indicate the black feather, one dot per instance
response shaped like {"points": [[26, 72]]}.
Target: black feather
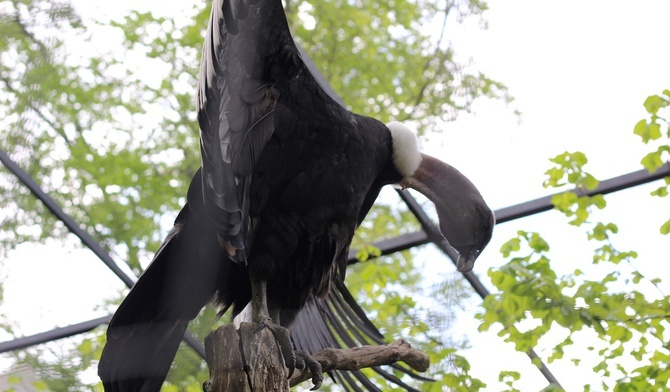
{"points": [[337, 321], [145, 332]]}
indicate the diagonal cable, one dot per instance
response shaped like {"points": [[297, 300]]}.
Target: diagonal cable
{"points": [[85, 238]]}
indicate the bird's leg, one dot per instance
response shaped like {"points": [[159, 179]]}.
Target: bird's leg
{"points": [[268, 317], [261, 315], [259, 300]]}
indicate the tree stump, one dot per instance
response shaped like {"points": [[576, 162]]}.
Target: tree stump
{"points": [[244, 360]]}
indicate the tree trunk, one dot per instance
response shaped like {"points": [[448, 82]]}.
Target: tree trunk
{"points": [[245, 360]]}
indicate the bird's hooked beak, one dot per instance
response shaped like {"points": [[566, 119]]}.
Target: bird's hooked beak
{"points": [[466, 261], [465, 219]]}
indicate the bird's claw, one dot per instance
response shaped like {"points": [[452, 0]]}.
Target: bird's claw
{"points": [[283, 338], [293, 359], [314, 367]]}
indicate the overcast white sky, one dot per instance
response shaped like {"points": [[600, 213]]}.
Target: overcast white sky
{"points": [[579, 70]]}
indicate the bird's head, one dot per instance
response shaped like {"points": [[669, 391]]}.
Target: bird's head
{"points": [[465, 219]]}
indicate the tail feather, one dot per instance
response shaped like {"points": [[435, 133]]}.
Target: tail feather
{"points": [[138, 357], [338, 321], [145, 332]]}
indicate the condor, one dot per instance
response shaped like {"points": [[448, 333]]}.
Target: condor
{"points": [[287, 176]]}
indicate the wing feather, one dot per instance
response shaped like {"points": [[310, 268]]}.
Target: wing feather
{"points": [[235, 112], [338, 321], [253, 85]]}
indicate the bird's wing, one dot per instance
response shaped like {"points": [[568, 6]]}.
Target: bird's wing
{"points": [[251, 74], [338, 321]]}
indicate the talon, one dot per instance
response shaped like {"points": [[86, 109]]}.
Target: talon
{"points": [[260, 327], [314, 367], [317, 379], [317, 385], [283, 339]]}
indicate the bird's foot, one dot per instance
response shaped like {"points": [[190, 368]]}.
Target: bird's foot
{"points": [[293, 359], [283, 338], [305, 361]]}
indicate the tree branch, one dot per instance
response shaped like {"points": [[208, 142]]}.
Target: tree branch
{"points": [[364, 357], [249, 360]]}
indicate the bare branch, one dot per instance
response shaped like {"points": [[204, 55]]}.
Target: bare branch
{"points": [[364, 357]]}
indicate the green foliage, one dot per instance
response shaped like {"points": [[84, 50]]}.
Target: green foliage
{"points": [[82, 135], [379, 56], [458, 381], [656, 129], [532, 301], [508, 378], [616, 307], [569, 169], [650, 129], [59, 365]]}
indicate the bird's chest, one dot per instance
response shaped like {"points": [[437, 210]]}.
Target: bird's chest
{"points": [[330, 185], [310, 187]]}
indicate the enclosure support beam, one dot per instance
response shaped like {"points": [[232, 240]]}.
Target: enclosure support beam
{"points": [[54, 334], [611, 185]]}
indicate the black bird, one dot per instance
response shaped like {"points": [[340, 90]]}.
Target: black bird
{"points": [[287, 176]]}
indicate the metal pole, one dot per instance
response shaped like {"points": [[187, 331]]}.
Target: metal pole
{"points": [[54, 334], [614, 184]]}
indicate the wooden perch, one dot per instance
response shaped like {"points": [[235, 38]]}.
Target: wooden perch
{"points": [[250, 361], [364, 357]]}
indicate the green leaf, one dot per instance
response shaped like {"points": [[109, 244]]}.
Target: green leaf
{"points": [[660, 192], [665, 228], [654, 130], [510, 246], [652, 161], [506, 375], [450, 380], [619, 334], [563, 201], [86, 347], [653, 103], [538, 244], [641, 129], [590, 182]]}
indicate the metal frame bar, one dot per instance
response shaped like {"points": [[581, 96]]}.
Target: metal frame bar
{"points": [[54, 334], [604, 187]]}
